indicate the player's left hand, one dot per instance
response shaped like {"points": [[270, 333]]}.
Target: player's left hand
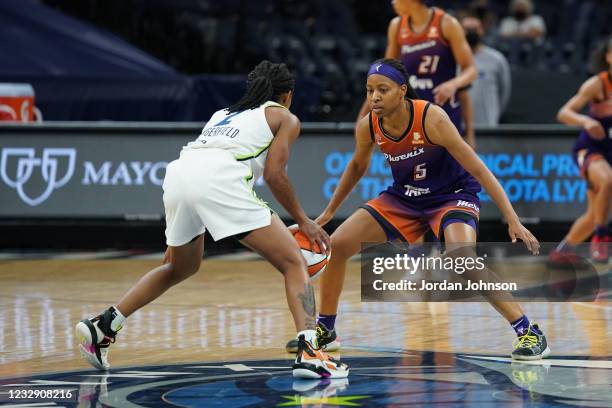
{"points": [[516, 230], [443, 92]]}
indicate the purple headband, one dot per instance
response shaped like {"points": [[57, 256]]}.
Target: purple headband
{"points": [[388, 71]]}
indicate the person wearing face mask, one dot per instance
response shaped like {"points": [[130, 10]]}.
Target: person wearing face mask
{"points": [[491, 90], [522, 23]]}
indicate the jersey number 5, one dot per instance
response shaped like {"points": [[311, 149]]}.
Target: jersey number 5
{"points": [[429, 64], [420, 172]]}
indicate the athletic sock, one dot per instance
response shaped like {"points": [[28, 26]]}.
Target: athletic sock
{"points": [[329, 321], [117, 319], [310, 336], [601, 230], [521, 325]]}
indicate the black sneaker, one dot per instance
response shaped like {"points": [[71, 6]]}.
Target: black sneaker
{"points": [[530, 346], [328, 340], [96, 336]]}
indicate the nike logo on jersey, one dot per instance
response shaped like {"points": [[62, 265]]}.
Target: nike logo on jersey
{"points": [[379, 140], [457, 191]]}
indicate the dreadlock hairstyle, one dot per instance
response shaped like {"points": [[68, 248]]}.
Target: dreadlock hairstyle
{"points": [[410, 93], [267, 81], [599, 62]]}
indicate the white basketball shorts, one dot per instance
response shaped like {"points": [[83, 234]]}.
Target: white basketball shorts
{"points": [[207, 189]]}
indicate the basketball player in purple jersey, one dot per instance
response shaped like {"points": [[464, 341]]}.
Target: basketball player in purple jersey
{"points": [[436, 178], [593, 154], [432, 45]]}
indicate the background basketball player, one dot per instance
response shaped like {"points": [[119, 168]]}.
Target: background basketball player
{"points": [[432, 46], [593, 154], [210, 187]]}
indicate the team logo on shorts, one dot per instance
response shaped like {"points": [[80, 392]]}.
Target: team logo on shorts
{"points": [[467, 204], [22, 161]]}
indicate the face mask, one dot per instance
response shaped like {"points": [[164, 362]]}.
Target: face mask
{"points": [[472, 37], [520, 15]]}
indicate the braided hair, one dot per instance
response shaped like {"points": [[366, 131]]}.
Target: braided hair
{"points": [[410, 93], [267, 81]]}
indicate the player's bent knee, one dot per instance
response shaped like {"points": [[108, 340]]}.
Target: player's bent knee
{"points": [[183, 270], [293, 261], [342, 247]]}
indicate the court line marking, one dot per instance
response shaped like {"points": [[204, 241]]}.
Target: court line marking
{"points": [[576, 363]]}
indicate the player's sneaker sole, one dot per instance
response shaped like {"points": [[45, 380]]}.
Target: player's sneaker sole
{"points": [[540, 356], [88, 338], [305, 370]]}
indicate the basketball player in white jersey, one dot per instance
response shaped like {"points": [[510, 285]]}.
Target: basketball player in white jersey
{"points": [[210, 188]]}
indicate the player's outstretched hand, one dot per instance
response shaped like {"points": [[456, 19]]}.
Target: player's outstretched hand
{"points": [[518, 231], [315, 233]]}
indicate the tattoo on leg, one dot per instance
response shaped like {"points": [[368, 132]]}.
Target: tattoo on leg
{"points": [[309, 305]]}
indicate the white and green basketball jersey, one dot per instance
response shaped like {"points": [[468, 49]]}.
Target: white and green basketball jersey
{"points": [[245, 134]]}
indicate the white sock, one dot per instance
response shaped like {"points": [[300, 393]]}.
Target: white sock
{"points": [[310, 336], [118, 319]]}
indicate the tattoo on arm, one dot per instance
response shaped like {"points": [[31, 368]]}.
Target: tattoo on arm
{"points": [[308, 303]]}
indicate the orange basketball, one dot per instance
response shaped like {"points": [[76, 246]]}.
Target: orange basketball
{"points": [[316, 260]]}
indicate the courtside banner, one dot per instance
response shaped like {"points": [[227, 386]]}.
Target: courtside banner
{"points": [[116, 171]]}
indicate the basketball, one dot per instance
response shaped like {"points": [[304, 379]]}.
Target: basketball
{"points": [[316, 260]]}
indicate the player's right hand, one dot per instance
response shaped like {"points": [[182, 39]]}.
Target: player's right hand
{"points": [[594, 129], [316, 234], [516, 230]]}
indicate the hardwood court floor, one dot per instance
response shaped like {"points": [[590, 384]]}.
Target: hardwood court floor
{"points": [[236, 310]]}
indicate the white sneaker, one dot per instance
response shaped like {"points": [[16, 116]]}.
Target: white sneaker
{"points": [[315, 363], [95, 337]]}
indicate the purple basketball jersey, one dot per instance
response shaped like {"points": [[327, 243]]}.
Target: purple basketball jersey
{"points": [[424, 174], [429, 61]]}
